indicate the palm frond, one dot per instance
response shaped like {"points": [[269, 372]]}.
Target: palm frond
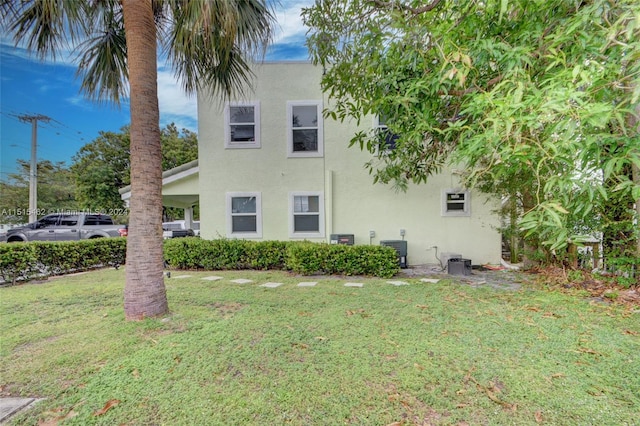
{"points": [[212, 42], [102, 57], [44, 26]]}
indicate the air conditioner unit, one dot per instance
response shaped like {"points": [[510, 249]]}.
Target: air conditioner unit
{"points": [[400, 247], [459, 266], [346, 239]]}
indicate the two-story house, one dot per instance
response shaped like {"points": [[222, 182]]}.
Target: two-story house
{"points": [[272, 168]]}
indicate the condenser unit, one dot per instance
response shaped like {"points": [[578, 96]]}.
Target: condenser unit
{"points": [[346, 239], [459, 266], [400, 247]]}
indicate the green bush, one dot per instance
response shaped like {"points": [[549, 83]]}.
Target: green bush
{"points": [[23, 261], [267, 255], [17, 262], [301, 257], [196, 253], [312, 258]]}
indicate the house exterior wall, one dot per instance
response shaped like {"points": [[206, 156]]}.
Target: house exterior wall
{"points": [[352, 203]]}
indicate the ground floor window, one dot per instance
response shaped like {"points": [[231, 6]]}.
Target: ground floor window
{"points": [[244, 214], [306, 214]]}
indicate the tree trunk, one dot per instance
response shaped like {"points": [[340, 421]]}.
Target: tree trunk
{"points": [[635, 171], [144, 290], [529, 255]]}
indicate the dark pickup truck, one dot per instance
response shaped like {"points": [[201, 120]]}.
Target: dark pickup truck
{"points": [[67, 227]]}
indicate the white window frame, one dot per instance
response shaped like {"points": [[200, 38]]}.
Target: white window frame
{"points": [[378, 128], [465, 212], [320, 213], [320, 127], [228, 144], [258, 214]]}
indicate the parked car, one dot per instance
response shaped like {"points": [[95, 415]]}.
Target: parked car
{"points": [[178, 229], [67, 227]]}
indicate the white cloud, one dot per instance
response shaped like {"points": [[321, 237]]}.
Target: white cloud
{"points": [[175, 105], [290, 27]]}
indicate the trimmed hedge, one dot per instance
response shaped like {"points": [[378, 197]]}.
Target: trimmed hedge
{"points": [[17, 262], [39, 259], [301, 257], [25, 261]]}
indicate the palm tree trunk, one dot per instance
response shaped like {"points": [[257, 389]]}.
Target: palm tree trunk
{"points": [[144, 291]]}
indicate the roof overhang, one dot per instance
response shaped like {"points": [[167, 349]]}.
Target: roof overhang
{"points": [[172, 177]]}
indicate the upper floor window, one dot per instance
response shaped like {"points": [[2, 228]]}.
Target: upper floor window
{"points": [[386, 137], [456, 202], [307, 214], [242, 125], [304, 129], [244, 214]]}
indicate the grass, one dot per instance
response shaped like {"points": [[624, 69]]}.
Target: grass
{"points": [[234, 354]]}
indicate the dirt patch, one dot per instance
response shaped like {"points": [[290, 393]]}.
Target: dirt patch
{"points": [[499, 279], [599, 287], [226, 310]]}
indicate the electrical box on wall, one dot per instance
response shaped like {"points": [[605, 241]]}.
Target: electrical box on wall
{"points": [[346, 239]]}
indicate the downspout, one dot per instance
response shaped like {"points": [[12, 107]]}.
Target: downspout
{"points": [[328, 203], [328, 178]]}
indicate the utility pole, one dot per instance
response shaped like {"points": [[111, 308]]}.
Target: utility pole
{"points": [[33, 172]]}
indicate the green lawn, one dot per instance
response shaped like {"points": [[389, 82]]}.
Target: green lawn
{"points": [[233, 354]]}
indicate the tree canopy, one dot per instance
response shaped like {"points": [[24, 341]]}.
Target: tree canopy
{"points": [[533, 100], [102, 167]]}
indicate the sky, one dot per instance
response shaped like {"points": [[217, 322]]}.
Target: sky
{"points": [[30, 87]]}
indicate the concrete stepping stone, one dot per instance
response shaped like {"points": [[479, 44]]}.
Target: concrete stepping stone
{"points": [[181, 277], [396, 283], [430, 280], [212, 278], [271, 285], [354, 285], [11, 406], [242, 281], [307, 284]]}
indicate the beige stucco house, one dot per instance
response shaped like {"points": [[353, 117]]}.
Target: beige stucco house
{"points": [[272, 168]]}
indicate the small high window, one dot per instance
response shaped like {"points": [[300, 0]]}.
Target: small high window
{"points": [[242, 125], [456, 202]]}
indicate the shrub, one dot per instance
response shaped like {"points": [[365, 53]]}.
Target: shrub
{"points": [[267, 255], [23, 261], [311, 258], [301, 257], [195, 253], [17, 262]]}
